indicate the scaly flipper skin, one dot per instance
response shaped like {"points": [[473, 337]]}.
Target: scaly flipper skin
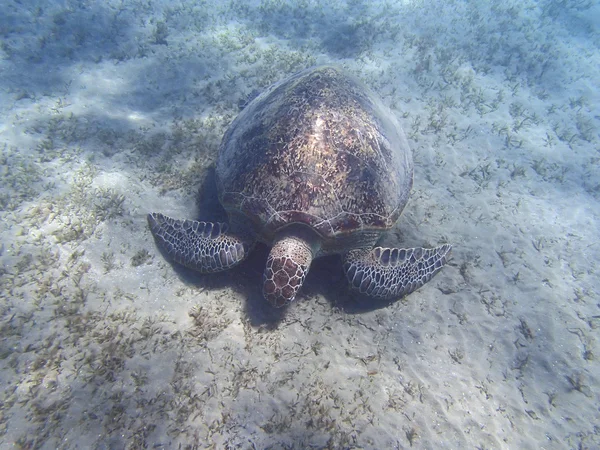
{"points": [[201, 246], [286, 269], [391, 273]]}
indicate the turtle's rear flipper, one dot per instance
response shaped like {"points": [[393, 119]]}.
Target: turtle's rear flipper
{"points": [[391, 273], [202, 246]]}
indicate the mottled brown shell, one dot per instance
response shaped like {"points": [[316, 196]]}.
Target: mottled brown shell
{"points": [[319, 149]]}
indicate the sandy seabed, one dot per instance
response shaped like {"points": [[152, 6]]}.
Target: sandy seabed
{"points": [[110, 110]]}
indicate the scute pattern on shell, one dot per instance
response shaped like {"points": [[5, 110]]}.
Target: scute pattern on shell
{"points": [[318, 149]]}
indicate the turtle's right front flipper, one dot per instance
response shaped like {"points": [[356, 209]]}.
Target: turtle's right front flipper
{"points": [[202, 246]]}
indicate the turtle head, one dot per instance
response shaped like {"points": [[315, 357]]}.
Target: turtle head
{"points": [[287, 266]]}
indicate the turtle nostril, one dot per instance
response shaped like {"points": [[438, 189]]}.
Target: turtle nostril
{"points": [[288, 293]]}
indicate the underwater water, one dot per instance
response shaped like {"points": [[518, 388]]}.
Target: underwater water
{"points": [[111, 110]]}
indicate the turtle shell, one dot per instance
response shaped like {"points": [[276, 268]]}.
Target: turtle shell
{"points": [[318, 149]]}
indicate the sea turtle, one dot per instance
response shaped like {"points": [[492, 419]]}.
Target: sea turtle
{"points": [[315, 165]]}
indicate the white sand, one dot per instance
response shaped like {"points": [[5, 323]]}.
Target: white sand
{"points": [[109, 110]]}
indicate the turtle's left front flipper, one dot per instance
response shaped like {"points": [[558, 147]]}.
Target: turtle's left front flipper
{"points": [[202, 246], [391, 273]]}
